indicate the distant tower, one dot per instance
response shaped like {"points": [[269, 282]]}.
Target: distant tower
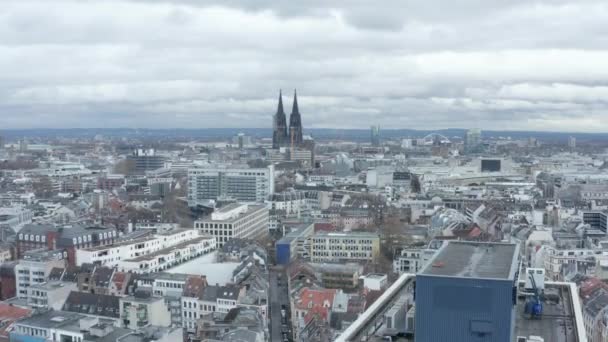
{"points": [[472, 140], [375, 135], [279, 125], [572, 142], [295, 123]]}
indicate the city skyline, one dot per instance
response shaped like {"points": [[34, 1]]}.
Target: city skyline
{"points": [[188, 64]]}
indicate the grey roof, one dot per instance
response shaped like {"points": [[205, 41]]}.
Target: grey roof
{"points": [[474, 260], [230, 292], [93, 304], [210, 293], [240, 335], [50, 319], [102, 276]]}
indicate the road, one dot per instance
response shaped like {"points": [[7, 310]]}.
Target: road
{"points": [[279, 298]]}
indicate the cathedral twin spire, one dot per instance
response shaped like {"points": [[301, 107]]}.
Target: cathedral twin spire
{"points": [[282, 135]]}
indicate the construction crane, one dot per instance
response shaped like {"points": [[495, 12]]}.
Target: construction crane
{"points": [[534, 305]]}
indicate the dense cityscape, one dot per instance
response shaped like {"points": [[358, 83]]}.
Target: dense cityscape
{"points": [[303, 171], [288, 238]]}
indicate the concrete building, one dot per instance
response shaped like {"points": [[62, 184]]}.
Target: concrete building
{"points": [[144, 160], [472, 140], [240, 184], [143, 310], [35, 268], [49, 295], [235, 220], [469, 287], [338, 247], [294, 244]]}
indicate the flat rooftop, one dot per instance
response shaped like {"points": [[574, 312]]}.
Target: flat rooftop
{"points": [[474, 260], [557, 323]]}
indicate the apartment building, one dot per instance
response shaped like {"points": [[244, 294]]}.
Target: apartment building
{"points": [[35, 268], [152, 253], [142, 310], [235, 221]]}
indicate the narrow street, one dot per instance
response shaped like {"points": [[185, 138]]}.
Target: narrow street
{"points": [[280, 324]]}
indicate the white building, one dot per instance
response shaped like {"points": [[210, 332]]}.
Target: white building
{"points": [[140, 311], [351, 246], [236, 221], [150, 254], [241, 184], [34, 269], [49, 295]]}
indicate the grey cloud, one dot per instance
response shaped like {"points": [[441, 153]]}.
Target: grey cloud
{"points": [[418, 64]]}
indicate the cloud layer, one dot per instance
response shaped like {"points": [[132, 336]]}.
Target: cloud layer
{"points": [[500, 64]]}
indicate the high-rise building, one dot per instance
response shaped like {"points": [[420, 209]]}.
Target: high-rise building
{"points": [[572, 142], [470, 287], [375, 135], [472, 140], [295, 123], [241, 184], [144, 160], [279, 124], [242, 140]]}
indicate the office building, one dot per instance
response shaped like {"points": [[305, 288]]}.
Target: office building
{"points": [[572, 142], [375, 135], [241, 140], [469, 287], [235, 220], [472, 140], [339, 247], [144, 160], [596, 219], [240, 184]]}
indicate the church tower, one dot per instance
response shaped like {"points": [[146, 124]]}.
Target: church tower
{"points": [[279, 134], [295, 123]]}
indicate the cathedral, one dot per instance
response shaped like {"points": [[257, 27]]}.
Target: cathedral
{"points": [[283, 136]]}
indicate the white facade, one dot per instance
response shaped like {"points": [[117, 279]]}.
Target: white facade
{"points": [[241, 184], [335, 247], [128, 254], [136, 313], [170, 256], [33, 272], [49, 295], [236, 221]]}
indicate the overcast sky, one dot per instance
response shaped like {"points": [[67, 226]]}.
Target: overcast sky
{"points": [[493, 64]]}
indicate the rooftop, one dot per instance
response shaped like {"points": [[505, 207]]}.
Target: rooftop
{"points": [[474, 260], [167, 250], [348, 235], [557, 323]]}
